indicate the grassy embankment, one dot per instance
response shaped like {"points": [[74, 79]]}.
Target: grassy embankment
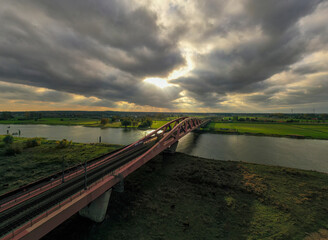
{"points": [[185, 197], [41, 161], [317, 131]]}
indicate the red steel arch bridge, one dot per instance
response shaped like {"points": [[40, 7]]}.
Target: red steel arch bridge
{"points": [[32, 211]]}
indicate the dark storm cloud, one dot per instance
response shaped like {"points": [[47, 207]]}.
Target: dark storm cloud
{"points": [[14, 92], [105, 48], [61, 46], [316, 92], [249, 63], [114, 24], [276, 17]]}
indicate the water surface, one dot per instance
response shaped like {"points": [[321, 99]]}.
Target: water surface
{"points": [[297, 153]]}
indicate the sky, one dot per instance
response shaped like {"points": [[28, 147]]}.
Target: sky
{"points": [[167, 56]]}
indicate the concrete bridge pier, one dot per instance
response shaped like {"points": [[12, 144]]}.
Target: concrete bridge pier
{"points": [[96, 211], [172, 148]]}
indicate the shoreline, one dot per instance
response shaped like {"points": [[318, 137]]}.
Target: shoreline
{"points": [[260, 135], [293, 136]]}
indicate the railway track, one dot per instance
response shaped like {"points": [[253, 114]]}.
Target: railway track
{"points": [[27, 189], [19, 214]]}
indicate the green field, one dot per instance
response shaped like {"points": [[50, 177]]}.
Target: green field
{"points": [[108, 125], [78, 121], [158, 124], [41, 161], [184, 197], [318, 131], [54, 121]]}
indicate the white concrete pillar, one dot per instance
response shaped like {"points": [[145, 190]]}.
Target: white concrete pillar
{"points": [[96, 210]]}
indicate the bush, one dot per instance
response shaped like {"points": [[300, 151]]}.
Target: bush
{"points": [[13, 149], [33, 142], [145, 124], [63, 143], [104, 121], [8, 139]]}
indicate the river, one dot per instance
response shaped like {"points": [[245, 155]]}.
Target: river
{"points": [[306, 154]]}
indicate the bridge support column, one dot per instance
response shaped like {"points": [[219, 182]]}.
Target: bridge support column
{"points": [[96, 211], [172, 148]]}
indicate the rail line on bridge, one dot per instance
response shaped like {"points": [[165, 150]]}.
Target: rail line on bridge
{"points": [[34, 210]]}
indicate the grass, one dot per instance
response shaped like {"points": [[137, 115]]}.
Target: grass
{"points": [[318, 131], [185, 197], [157, 124], [108, 125], [54, 121], [77, 121], [41, 161]]}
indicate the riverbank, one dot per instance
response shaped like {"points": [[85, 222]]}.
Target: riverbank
{"points": [[183, 197], [36, 162], [290, 130], [87, 122]]}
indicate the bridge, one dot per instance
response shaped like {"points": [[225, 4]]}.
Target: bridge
{"points": [[32, 211]]}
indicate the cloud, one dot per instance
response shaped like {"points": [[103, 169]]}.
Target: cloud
{"points": [[268, 40], [235, 52], [105, 54]]}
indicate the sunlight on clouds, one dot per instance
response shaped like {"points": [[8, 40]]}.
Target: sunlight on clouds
{"points": [[175, 74], [39, 90], [78, 97], [185, 69], [159, 82]]}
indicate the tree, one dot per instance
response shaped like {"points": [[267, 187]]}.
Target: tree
{"points": [[104, 121], [126, 122], [27, 115], [6, 115], [146, 123]]}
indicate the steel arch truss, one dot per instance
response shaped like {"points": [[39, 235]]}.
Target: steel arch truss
{"points": [[166, 136]]}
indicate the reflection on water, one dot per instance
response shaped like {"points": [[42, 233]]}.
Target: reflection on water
{"points": [[78, 133], [189, 142], [297, 153]]}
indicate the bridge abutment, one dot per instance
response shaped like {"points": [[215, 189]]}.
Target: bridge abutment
{"points": [[96, 211], [172, 148]]}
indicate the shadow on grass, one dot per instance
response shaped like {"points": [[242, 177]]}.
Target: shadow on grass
{"points": [[184, 197], [172, 197]]}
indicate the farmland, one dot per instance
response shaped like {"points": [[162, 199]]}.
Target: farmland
{"points": [[317, 131]]}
